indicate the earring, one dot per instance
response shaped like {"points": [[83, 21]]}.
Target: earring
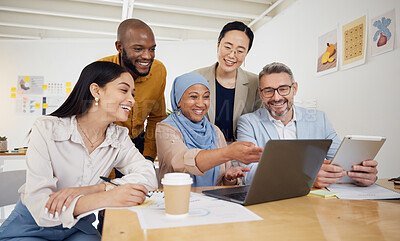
{"points": [[96, 99], [179, 111]]}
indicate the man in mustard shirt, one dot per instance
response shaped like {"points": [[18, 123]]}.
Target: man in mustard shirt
{"points": [[136, 51]]}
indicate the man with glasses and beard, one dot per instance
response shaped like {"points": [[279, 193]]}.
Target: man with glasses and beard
{"points": [[280, 119], [136, 51]]}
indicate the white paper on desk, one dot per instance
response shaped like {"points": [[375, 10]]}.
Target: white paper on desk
{"points": [[202, 210], [353, 192]]}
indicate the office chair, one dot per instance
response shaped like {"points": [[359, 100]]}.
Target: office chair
{"points": [[10, 182]]}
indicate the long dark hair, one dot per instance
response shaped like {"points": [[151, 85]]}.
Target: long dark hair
{"points": [[80, 99], [236, 25]]}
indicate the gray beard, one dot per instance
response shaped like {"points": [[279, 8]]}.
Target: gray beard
{"points": [[278, 115]]}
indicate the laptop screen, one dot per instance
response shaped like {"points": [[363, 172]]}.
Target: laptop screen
{"points": [[287, 168]]}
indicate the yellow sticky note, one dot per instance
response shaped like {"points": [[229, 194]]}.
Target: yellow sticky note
{"points": [[68, 84], [68, 90], [37, 105], [323, 193], [146, 203], [13, 95], [45, 105], [44, 87], [13, 89], [26, 78]]}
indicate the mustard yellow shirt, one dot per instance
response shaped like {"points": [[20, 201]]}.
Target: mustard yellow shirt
{"points": [[149, 104]]}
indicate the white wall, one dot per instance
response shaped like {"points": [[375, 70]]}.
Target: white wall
{"points": [[363, 100], [63, 60]]}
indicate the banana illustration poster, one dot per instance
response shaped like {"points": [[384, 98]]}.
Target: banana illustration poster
{"points": [[382, 32], [327, 61]]}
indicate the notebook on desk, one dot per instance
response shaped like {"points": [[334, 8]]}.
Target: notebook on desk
{"points": [[287, 168]]}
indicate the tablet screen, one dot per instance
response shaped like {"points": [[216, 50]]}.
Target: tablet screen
{"points": [[355, 149]]}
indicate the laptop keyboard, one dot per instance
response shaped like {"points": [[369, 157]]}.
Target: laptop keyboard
{"points": [[241, 196]]}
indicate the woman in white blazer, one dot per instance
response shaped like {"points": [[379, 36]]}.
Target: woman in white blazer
{"points": [[233, 90]]}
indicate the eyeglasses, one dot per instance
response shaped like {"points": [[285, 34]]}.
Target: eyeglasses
{"points": [[238, 52], [283, 90]]}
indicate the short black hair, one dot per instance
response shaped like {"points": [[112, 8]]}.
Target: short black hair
{"points": [[236, 25], [80, 99]]}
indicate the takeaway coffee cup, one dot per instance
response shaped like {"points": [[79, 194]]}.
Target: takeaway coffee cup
{"points": [[177, 193]]}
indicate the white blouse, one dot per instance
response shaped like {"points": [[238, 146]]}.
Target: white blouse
{"points": [[57, 158]]}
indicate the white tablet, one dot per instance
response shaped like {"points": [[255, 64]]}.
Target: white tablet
{"points": [[354, 150]]}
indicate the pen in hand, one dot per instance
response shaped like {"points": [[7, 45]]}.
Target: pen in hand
{"points": [[116, 184], [109, 180]]}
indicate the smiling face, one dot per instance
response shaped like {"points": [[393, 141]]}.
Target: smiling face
{"points": [[232, 50], [280, 107], [137, 49], [195, 102], [116, 98]]}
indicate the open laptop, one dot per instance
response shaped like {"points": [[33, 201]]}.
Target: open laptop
{"points": [[287, 168]]}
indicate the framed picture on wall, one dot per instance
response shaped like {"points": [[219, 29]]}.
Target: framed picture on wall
{"points": [[382, 32], [327, 54], [354, 42]]}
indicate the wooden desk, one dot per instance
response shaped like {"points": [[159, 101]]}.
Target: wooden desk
{"points": [[12, 153], [303, 218]]}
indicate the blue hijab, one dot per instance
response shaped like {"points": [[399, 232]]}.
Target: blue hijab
{"points": [[199, 135]]}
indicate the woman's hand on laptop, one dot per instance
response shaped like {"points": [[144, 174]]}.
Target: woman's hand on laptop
{"points": [[233, 173], [364, 174], [328, 174], [244, 152]]}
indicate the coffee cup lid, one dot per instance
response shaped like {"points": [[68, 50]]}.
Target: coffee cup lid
{"points": [[177, 179]]}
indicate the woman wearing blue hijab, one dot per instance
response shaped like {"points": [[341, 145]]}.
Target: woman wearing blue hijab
{"points": [[188, 142]]}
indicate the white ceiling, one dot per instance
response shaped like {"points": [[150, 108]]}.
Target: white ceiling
{"points": [[169, 19]]}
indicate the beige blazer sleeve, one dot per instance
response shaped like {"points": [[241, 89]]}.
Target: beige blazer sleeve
{"points": [[174, 156]]}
